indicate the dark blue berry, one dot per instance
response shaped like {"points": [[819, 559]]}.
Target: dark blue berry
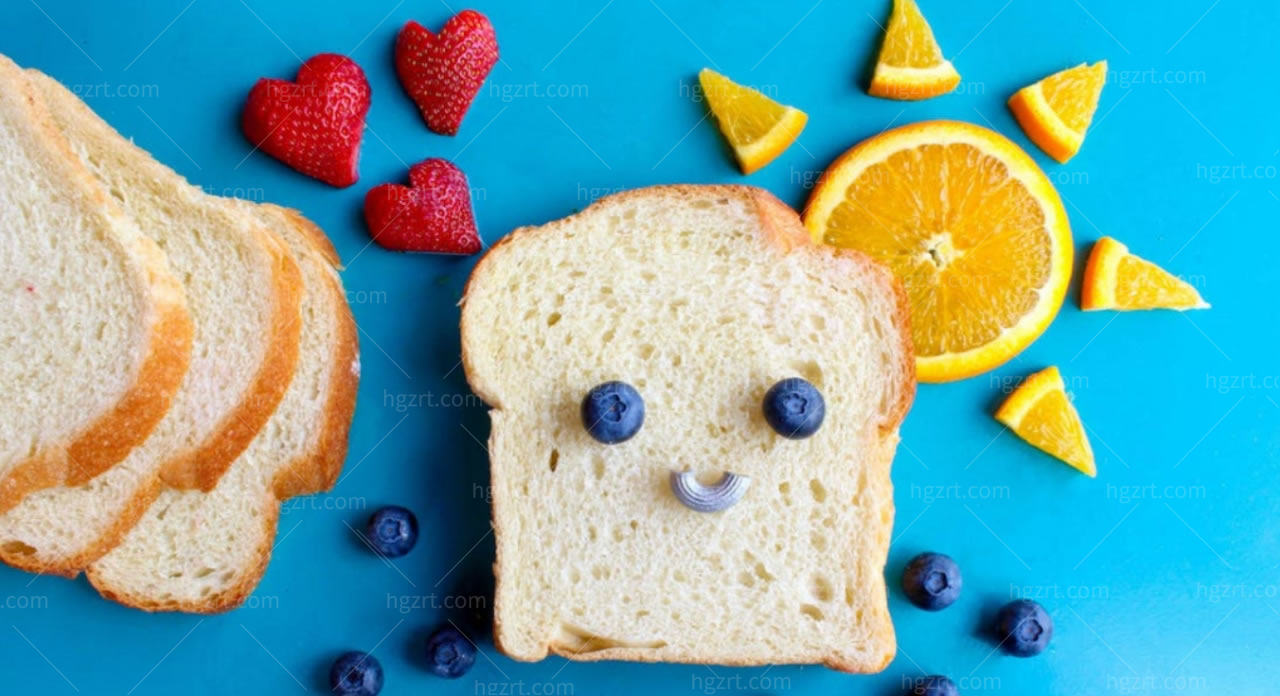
{"points": [[1023, 628], [449, 653], [355, 674], [936, 685], [612, 412], [932, 581], [392, 531], [794, 408]]}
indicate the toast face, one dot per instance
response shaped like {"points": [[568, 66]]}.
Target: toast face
{"points": [[702, 298], [243, 290], [95, 328]]}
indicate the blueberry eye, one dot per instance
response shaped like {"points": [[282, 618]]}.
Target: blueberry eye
{"points": [[612, 412], [794, 408]]}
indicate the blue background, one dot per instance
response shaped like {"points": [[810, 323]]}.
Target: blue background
{"points": [[1160, 574]]}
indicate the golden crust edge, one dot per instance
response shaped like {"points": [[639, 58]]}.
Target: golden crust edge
{"points": [[313, 472], [109, 439], [777, 217]]}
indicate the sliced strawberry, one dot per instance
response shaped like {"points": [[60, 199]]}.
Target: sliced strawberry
{"points": [[315, 123], [432, 214], [443, 72]]}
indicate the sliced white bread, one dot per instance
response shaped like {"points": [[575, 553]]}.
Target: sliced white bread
{"points": [[243, 291], [702, 298], [94, 332], [205, 552]]}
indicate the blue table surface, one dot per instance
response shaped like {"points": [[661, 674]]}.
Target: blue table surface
{"points": [[1160, 574]]}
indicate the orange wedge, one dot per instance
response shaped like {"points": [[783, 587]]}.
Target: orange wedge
{"points": [[1040, 413], [968, 223], [1116, 279], [757, 127], [911, 65], [1056, 111]]}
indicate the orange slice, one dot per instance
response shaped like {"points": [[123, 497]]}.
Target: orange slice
{"points": [[911, 65], [1040, 413], [968, 223], [757, 127], [1056, 111], [1116, 279]]}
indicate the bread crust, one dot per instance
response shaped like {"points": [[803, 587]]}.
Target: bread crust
{"points": [[319, 241], [318, 470], [202, 467], [217, 602], [70, 566], [784, 229], [163, 364], [312, 472]]}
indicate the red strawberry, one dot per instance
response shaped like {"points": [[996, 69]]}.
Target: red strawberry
{"points": [[315, 123], [432, 214], [442, 72]]}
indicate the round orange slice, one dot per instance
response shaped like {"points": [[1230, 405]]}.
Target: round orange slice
{"points": [[911, 65], [968, 223]]}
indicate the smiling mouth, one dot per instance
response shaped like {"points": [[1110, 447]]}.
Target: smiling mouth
{"points": [[716, 497]]}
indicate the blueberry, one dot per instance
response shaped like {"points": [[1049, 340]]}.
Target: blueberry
{"points": [[612, 412], [1024, 628], [355, 674], [449, 653], [391, 531], [932, 581], [936, 685], [794, 408]]}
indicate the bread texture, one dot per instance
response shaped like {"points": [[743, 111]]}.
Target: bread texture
{"points": [[701, 297], [95, 336], [205, 552], [243, 290]]}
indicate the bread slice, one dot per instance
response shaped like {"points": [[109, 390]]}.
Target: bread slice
{"points": [[205, 552], [701, 297], [243, 290], [94, 332]]}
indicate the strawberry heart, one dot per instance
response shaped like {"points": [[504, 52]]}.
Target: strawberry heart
{"points": [[432, 214], [315, 123], [443, 72]]}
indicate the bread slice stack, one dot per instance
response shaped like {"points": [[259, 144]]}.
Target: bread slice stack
{"points": [[261, 411], [701, 298]]}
